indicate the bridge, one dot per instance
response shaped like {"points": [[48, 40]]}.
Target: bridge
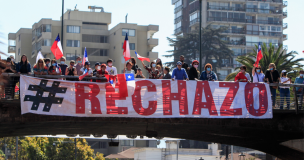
{"points": [[275, 136]]}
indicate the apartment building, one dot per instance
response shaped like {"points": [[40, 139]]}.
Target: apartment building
{"points": [[249, 22], [84, 29]]}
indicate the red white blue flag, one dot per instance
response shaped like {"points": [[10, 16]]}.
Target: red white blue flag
{"points": [[126, 47], [259, 56], [142, 58], [57, 48], [85, 56], [85, 73]]}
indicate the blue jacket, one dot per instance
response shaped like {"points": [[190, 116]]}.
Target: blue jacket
{"points": [[204, 76], [179, 74], [299, 80], [18, 67]]}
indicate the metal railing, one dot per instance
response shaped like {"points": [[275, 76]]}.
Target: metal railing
{"points": [[275, 1], [194, 21], [235, 31], [178, 8], [176, 20], [178, 30], [276, 45], [262, 10], [265, 33], [236, 43], [285, 14], [212, 7], [285, 25], [8, 89], [285, 36], [225, 19]]}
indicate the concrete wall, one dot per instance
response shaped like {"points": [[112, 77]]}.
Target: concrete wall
{"points": [[147, 154]]}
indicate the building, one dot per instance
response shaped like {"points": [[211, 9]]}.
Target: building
{"points": [[170, 153], [84, 29], [248, 21]]}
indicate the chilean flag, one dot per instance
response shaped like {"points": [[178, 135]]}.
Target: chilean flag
{"points": [[126, 84], [85, 56], [85, 73], [111, 79], [259, 56], [57, 48], [126, 47], [142, 58]]}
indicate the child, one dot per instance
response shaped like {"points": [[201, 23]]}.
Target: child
{"points": [[139, 74], [110, 68], [102, 72], [129, 68]]}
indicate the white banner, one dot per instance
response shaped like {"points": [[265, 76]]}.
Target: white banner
{"points": [[147, 98]]}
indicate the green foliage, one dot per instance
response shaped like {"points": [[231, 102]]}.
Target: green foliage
{"points": [[99, 156], [214, 49], [2, 155], [282, 60]]}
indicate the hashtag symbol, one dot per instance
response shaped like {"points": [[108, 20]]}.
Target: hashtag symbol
{"points": [[48, 101]]}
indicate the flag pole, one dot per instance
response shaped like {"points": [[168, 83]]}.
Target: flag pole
{"points": [[62, 24]]}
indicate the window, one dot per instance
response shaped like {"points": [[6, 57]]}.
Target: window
{"points": [[126, 143], [252, 40], [94, 38], [38, 45], [97, 144], [33, 48], [252, 29], [11, 42], [38, 32], [73, 29], [71, 56], [96, 52], [131, 45], [178, 3], [193, 16], [264, 8], [45, 28], [178, 14], [33, 35], [131, 32], [46, 42], [73, 43], [178, 25]]}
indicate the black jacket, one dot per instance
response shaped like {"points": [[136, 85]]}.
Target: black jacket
{"points": [[192, 73]]}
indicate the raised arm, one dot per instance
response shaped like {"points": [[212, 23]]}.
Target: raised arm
{"points": [[253, 71]]}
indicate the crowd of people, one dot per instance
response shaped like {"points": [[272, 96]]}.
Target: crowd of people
{"points": [[156, 70]]}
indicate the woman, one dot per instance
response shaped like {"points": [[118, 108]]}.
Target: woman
{"points": [[134, 67], [10, 86], [208, 74], [167, 75], [159, 68], [241, 76], [24, 66], [272, 76], [86, 67], [71, 71], [54, 70], [193, 72], [129, 68], [257, 74], [284, 90], [40, 68], [153, 72], [139, 74]]}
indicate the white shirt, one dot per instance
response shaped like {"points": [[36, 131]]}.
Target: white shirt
{"points": [[258, 77], [112, 70], [89, 72], [248, 76], [283, 79], [132, 71]]}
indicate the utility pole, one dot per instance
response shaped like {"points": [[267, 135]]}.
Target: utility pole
{"points": [[200, 35], [177, 149], [62, 24]]}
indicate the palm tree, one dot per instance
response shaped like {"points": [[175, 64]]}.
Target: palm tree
{"points": [[282, 60]]}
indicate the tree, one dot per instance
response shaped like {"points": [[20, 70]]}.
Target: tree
{"points": [[214, 48], [99, 156], [2, 155], [282, 60]]}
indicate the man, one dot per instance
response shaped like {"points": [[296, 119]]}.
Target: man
{"points": [[47, 62], [110, 68], [272, 76], [62, 65], [78, 65], [184, 64], [179, 73], [299, 90], [97, 68]]}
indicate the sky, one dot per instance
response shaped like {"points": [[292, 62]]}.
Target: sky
{"points": [[23, 14]]}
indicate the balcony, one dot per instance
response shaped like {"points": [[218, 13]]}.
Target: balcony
{"points": [[236, 43], [265, 33], [269, 22], [210, 7], [285, 37], [285, 3], [285, 14], [178, 19], [193, 22], [177, 9], [274, 1], [224, 19], [253, 44], [33, 38], [236, 31], [265, 11], [178, 30], [11, 49], [285, 25], [152, 42]]}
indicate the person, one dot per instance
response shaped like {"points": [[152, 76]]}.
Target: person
{"points": [[185, 65], [47, 62], [10, 86], [134, 67], [62, 65], [24, 66], [208, 74], [179, 73], [167, 75], [129, 68], [241, 76], [40, 68], [299, 90], [54, 69], [272, 76], [139, 73], [159, 68], [86, 67], [110, 68], [159, 62], [79, 65], [257, 74], [193, 72], [153, 72], [248, 76], [13, 61], [97, 68], [71, 71], [102, 72], [284, 90]]}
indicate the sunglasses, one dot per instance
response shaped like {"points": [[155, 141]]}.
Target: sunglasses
{"points": [[40, 62]]}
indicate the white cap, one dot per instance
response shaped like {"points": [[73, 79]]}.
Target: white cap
{"points": [[284, 71]]}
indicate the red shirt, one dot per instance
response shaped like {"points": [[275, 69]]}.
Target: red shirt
{"points": [[102, 73], [240, 75]]}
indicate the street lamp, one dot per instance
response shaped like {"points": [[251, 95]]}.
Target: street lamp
{"points": [[242, 156]]}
